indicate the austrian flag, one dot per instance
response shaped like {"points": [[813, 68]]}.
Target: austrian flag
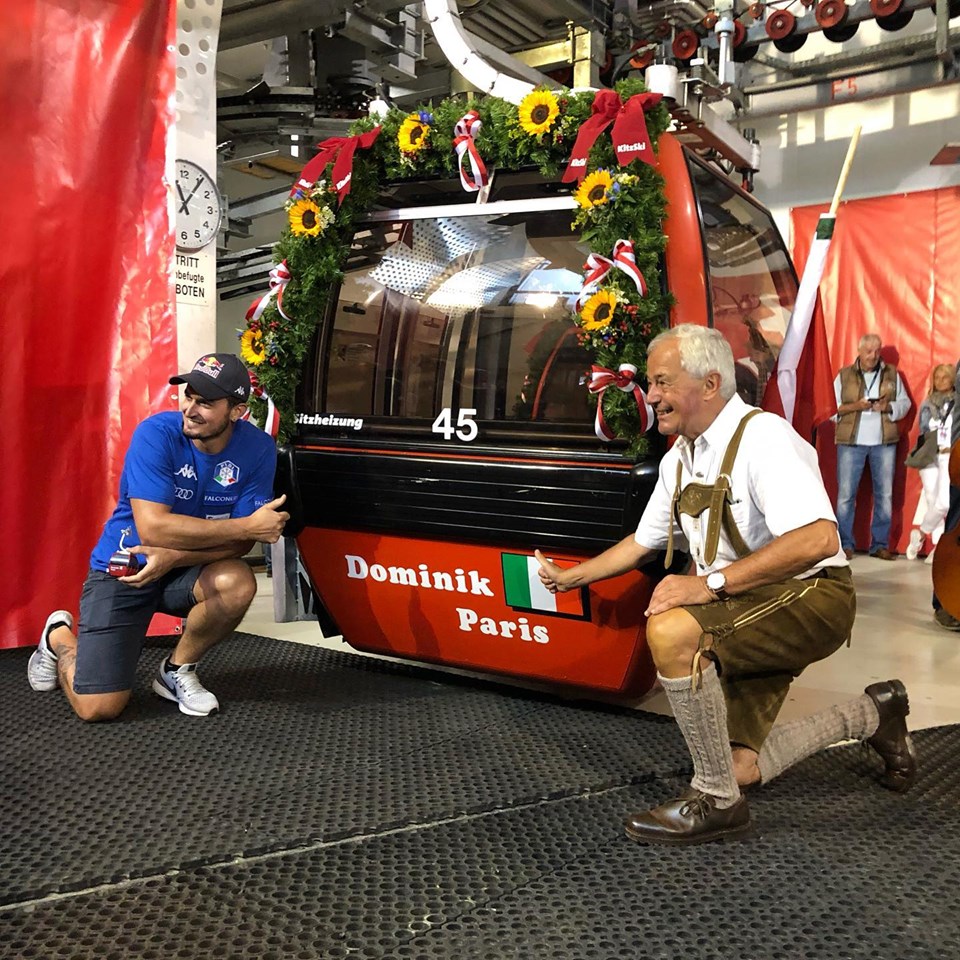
{"points": [[524, 591]]}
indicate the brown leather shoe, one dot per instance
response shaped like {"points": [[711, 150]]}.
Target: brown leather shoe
{"points": [[692, 818], [884, 554], [892, 739], [848, 554]]}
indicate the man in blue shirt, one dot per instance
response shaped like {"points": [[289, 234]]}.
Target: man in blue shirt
{"points": [[196, 492]]}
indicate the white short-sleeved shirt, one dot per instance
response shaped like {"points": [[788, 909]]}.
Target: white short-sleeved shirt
{"points": [[776, 487]]}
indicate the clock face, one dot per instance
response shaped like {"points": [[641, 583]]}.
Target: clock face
{"points": [[198, 206]]}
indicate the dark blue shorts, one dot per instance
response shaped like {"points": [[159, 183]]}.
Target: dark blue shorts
{"points": [[113, 623]]}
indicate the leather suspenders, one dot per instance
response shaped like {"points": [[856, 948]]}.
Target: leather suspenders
{"points": [[695, 498]]}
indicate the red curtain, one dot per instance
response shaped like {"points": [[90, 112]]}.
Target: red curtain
{"points": [[892, 270], [86, 252]]}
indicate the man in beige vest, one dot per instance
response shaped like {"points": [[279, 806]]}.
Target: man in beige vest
{"points": [[768, 591], [870, 401]]}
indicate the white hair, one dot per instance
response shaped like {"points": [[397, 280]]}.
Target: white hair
{"points": [[869, 338], [703, 350]]}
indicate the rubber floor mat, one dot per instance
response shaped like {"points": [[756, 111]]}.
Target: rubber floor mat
{"points": [[343, 807]]}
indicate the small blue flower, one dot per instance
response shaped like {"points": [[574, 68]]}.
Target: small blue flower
{"points": [[426, 117]]}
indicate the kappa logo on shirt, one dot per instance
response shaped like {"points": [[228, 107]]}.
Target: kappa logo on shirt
{"points": [[187, 472], [227, 473]]}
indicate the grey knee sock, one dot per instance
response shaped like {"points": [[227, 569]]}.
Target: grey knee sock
{"points": [[702, 717], [855, 720]]}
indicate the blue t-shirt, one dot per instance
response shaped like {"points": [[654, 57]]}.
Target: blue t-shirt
{"points": [[163, 466]]}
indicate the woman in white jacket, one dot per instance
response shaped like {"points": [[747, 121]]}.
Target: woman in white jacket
{"points": [[936, 413]]}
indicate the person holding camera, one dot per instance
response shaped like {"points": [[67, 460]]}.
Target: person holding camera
{"points": [[196, 492], [870, 401]]}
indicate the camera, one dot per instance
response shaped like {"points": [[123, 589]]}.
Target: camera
{"points": [[123, 564]]}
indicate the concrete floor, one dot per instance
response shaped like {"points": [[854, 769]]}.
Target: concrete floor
{"points": [[894, 636]]}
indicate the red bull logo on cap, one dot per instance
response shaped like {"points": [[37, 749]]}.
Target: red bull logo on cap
{"points": [[211, 366]]}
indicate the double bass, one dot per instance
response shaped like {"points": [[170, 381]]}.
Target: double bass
{"points": [[946, 558]]}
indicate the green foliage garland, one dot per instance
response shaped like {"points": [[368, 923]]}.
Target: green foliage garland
{"points": [[616, 202]]}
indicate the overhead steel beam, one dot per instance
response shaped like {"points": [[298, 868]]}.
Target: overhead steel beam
{"points": [[259, 205], [858, 12], [878, 57], [280, 17], [812, 95]]}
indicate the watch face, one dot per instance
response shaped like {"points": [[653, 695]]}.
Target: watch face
{"points": [[716, 581], [198, 206]]}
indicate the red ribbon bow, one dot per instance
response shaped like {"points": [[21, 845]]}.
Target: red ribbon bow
{"points": [[601, 378], [629, 133], [340, 150]]}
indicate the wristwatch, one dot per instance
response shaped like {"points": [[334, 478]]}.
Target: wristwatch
{"points": [[717, 585]]}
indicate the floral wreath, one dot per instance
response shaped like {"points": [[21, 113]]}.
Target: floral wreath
{"points": [[620, 209]]}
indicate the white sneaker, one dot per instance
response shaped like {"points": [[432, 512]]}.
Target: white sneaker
{"points": [[42, 666], [929, 558], [916, 542], [183, 686]]}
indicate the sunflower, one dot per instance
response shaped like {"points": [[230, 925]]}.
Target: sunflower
{"points": [[413, 133], [537, 111], [251, 347], [597, 312], [305, 219], [593, 191]]}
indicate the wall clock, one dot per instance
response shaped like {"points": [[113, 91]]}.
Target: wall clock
{"points": [[199, 209]]}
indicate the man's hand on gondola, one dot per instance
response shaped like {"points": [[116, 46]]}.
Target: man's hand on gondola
{"points": [[551, 576]]}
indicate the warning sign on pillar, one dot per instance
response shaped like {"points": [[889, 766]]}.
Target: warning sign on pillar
{"points": [[195, 278]]}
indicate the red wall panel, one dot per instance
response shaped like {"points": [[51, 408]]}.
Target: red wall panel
{"points": [[86, 312], [891, 270]]}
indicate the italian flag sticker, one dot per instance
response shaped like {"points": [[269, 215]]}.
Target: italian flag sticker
{"points": [[524, 591]]}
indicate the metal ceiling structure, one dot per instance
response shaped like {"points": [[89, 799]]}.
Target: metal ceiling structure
{"points": [[293, 72]]}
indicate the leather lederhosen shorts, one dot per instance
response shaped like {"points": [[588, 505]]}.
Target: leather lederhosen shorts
{"points": [[762, 639]]}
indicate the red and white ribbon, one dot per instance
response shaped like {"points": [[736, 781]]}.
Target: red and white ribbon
{"points": [[623, 379], [271, 422], [597, 267], [467, 128], [279, 278]]}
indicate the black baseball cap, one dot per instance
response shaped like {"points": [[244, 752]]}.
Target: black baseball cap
{"points": [[218, 375]]}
